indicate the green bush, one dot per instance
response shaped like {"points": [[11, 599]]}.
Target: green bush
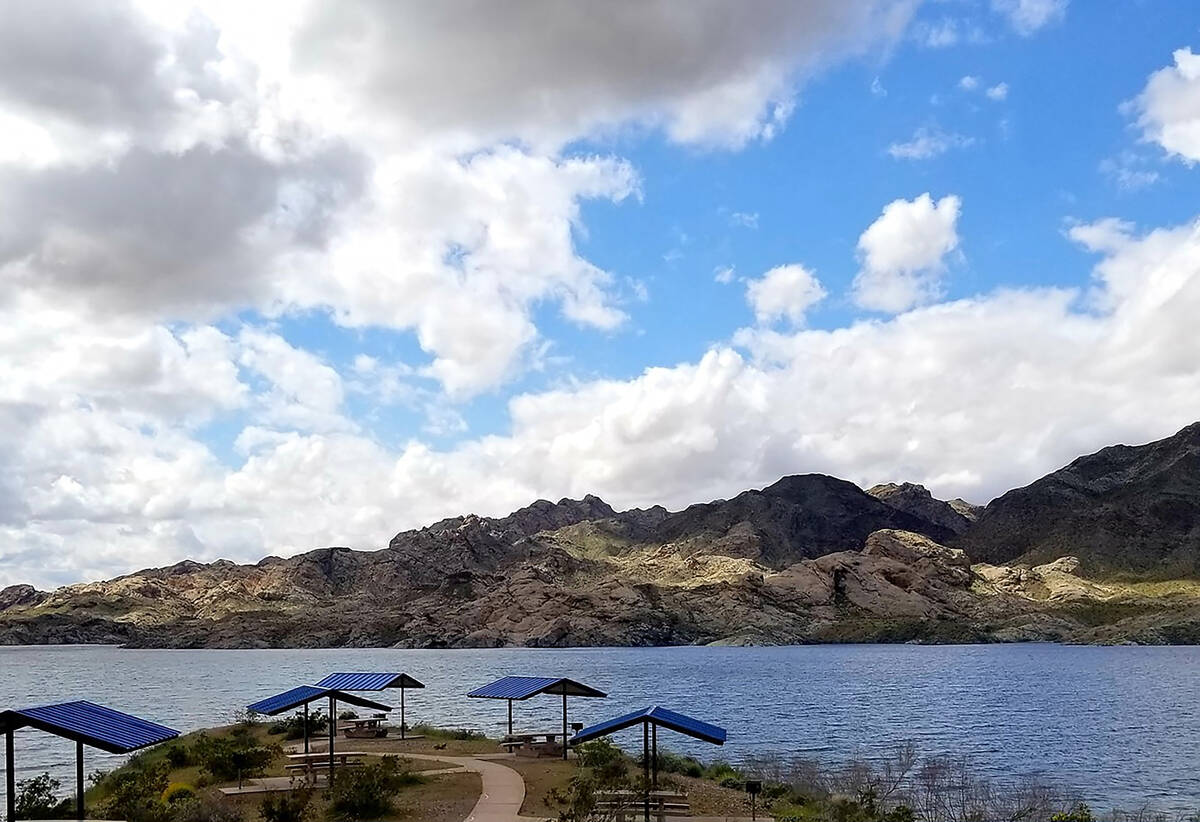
{"points": [[669, 762], [236, 756], [134, 792], [459, 734], [720, 770], [367, 792], [1078, 813], [347, 715], [178, 755], [37, 798], [292, 727], [286, 807], [598, 753]]}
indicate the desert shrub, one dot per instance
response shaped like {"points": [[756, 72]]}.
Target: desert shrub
{"points": [[206, 809], [178, 755], [134, 792], [292, 727], [347, 715], [286, 807], [178, 792], [459, 734], [367, 792], [577, 801], [236, 756], [598, 753], [37, 798], [669, 762], [902, 787], [1077, 813], [721, 771]]}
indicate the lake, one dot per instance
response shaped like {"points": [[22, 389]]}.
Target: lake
{"points": [[1119, 724]]}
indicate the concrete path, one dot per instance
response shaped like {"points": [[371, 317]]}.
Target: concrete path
{"points": [[503, 789]]}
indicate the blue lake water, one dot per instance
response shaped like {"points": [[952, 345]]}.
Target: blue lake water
{"points": [[1120, 725]]}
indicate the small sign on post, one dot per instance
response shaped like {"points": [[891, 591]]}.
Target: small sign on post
{"points": [[754, 788]]}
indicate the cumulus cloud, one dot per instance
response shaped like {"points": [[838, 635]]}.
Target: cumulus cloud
{"points": [[903, 253], [1027, 16], [784, 292], [541, 71], [1168, 109], [970, 397], [997, 92]]}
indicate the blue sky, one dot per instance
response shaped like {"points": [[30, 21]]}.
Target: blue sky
{"points": [[292, 275]]}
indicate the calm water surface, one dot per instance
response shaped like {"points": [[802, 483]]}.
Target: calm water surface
{"points": [[1119, 724]]}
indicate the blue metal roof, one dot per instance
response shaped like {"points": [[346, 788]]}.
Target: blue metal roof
{"points": [[664, 718], [523, 687], [368, 682], [90, 724], [296, 697]]}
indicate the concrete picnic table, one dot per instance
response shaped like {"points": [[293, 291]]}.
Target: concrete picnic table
{"points": [[310, 762], [532, 743]]}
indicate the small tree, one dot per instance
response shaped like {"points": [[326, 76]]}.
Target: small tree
{"points": [[37, 798], [367, 792], [236, 756]]}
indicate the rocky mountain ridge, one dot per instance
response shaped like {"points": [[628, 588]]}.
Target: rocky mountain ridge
{"points": [[809, 558]]}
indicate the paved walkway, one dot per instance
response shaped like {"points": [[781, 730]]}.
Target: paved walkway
{"points": [[503, 789]]}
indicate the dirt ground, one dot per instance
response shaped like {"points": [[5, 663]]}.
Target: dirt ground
{"points": [[541, 776]]}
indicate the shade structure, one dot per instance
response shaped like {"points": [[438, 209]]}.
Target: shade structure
{"points": [[524, 687], [301, 696], [304, 694], [651, 719], [373, 682], [661, 717], [86, 723], [368, 681]]}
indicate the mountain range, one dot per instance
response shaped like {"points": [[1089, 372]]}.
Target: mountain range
{"points": [[1103, 550]]}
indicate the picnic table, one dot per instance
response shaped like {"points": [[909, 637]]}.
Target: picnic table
{"points": [[626, 805], [539, 744], [310, 763]]}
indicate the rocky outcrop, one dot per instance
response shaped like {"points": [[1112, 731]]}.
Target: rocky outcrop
{"points": [[917, 500], [1130, 510], [799, 517], [17, 595]]}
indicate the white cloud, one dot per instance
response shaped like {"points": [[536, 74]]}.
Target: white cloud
{"points": [[928, 142], [903, 253], [784, 292], [970, 397], [1129, 171], [1027, 16], [1168, 109], [724, 274], [969, 82], [998, 92], [744, 219], [937, 35]]}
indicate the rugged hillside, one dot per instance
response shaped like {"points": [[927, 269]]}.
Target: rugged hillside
{"points": [[954, 516], [1125, 509], [808, 559]]}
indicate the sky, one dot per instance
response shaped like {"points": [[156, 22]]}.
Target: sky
{"points": [[278, 276]]}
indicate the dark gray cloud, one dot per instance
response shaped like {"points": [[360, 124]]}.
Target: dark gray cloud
{"points": [[173, 234], [546, 68]]}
